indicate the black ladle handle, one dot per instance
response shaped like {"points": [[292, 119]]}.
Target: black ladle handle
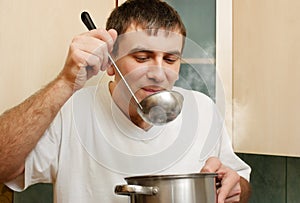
{"points": [[87, 20]]}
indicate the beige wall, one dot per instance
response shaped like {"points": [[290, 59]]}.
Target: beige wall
{"points": [[34, 39], [266, 76]]}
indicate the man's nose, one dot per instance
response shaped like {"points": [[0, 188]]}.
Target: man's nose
{"points": [[156, 71]]}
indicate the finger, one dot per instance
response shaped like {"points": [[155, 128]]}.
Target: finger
{"points": [[106, 62], [230, 184], [91, 71], [108, 37], [235, 198], [113, 33], [88, 61], [99, 33], [234, 194], [93, 48], [90, 45], [93, 65], [211, 165], [97, 42]]}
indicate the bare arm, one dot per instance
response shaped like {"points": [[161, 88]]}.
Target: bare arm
{"points": [[245, 190], [22, 126]]}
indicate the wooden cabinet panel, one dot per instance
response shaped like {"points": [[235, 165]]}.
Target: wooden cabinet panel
{"points": [[266, 73]]}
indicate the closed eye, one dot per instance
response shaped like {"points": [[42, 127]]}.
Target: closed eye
{"points": [[141, 59], [171, 58], [141, 56]]}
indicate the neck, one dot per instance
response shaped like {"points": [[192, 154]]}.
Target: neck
{"points": [[130, 111]]}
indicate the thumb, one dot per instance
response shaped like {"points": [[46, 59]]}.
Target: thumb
{"points": [[113, 33], [212, 165]]}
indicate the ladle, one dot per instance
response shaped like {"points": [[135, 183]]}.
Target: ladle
{"points": [[156, 109]]}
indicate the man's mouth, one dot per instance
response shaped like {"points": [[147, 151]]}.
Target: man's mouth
{"points": [[152, 89]]}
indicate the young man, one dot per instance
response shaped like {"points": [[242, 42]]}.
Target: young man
{"points": [[86, 141]]}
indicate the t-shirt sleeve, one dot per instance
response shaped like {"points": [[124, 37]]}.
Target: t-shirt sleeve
{"points": [[218, 143], [223, 148], [230, 159], [42, 162]]}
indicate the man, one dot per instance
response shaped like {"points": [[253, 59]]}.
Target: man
{"points": [[86, 141]]}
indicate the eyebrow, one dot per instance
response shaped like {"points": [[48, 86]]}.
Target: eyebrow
{"points": [[142, 49]]}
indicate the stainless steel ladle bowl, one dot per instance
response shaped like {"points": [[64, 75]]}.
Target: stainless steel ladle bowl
{"points": [[156, 109], [161, 107]]}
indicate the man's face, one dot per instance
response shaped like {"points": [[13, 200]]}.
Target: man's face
{"points": [[149, 62]]}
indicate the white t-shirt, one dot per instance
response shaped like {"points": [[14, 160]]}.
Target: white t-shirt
{"points": [[91, 146]]}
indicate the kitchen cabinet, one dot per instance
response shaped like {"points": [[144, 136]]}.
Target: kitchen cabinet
{"points": [[266, 94], [257, 74]]}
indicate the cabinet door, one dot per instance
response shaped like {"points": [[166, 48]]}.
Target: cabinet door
{"points": [[266, 77]]}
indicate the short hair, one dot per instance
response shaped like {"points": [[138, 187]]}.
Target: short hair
{"points": [[149, 14]]}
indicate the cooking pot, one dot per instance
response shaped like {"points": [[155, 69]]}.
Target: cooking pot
{"points": [[184, 188]]}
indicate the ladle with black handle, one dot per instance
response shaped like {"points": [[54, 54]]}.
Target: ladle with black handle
{"points": [[156, 109]]}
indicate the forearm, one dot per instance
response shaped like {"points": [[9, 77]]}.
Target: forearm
{"points": [[22, 126], [245, 190]]}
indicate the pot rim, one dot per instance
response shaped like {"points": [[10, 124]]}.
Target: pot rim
{"points": [[173, 176]]}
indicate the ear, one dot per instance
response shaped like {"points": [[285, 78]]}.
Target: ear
{"points": [[110, 71]]}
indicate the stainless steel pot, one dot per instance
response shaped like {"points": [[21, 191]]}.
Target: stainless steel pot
{"points": [[185, 188]]}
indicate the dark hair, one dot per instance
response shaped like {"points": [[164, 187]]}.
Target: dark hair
{"points": [[149, 14]]}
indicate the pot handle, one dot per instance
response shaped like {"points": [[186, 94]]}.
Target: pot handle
{"points": [[135, 189]]}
